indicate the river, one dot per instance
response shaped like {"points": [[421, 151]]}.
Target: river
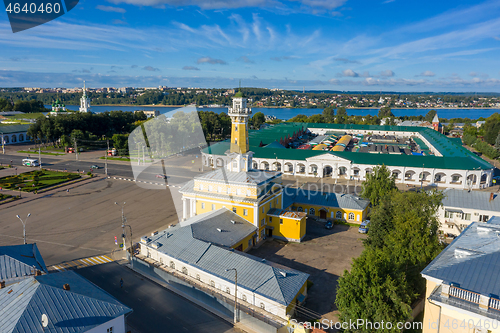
{"points": [[282, 113]]}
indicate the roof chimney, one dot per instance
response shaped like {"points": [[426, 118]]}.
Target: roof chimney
{"points": [[66, 287], [38, 272], [2, 284], [492, 196]]}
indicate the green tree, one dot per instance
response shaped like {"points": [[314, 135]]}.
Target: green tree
{"points": [[497, 142], [341, 115], [120, 142], [378, 184], [300, 118], [491, 128], [316, 118], [385, 112], [329, 114], [258, 119], [430, 115]]}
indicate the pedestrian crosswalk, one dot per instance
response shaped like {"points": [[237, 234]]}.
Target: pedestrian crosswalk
{"points": [[80, 263]]}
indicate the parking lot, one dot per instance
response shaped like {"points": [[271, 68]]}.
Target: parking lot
{"points": [[324, 254]]}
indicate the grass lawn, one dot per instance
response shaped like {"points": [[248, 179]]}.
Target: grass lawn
{"points": [[35, 152], [5, 196], [25, 116], [36, 180], [115, 158]]}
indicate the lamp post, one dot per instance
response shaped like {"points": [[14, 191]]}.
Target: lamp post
{"points": [[235, 292], [24, 225], [123, 225]]}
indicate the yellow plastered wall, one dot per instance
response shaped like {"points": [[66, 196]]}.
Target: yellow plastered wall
{"points": [[244, 242], [204, 205], [239, 143], [291, 229], [447, 320], [291, 306], [273, 201], [359, 215]]}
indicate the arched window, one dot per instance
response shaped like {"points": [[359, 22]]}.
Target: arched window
{"points": [[228, 290], [338, 215], [262, 306], [212, 283], [184, 270], [198, 277], [244, 297], [6, 139], [161, 260], [172, 265], [21, 137], [312, 211], [300, 209], [14, 139], [351, 216]]}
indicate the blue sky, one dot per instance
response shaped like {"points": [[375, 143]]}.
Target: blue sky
{"points": [[387, 45]]}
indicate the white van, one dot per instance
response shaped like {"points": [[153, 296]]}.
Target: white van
{"points": [[31, 162]]}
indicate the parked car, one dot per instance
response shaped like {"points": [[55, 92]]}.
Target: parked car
{"points": [[329, 225], [95, 167], [363, 228], [161, 176]]}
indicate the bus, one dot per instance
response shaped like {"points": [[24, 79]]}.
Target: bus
{"points": [[31, 162]]}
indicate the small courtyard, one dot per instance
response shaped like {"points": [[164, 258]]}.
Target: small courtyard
{"points": [[324, 254]]}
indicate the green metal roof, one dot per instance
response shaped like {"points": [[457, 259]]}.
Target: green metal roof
{"points": [[455, 156], [9, 129]]}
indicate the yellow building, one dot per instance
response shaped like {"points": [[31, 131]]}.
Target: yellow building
{"points": [[462, 284], [257, 195]]}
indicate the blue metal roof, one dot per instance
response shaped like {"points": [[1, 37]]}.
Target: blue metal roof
{"points": [[254, 274], [18, 261], [472, 260], [79, 309]]}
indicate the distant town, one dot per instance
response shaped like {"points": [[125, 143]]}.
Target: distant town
{"points": [[257, 97]]}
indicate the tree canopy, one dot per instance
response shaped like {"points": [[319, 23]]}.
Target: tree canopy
{"points": [[378, 184]]}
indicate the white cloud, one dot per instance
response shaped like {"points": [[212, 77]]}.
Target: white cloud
{"points": [[387, 73], [349, 73], [110, 9], [427, 73], [151, 69], [209, 60], [190, 68]]}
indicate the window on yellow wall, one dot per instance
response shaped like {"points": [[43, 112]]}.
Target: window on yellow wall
{"points": [[200, 187], [213, 206], [234, 209], [238, 191], [351, 216], [210, 188], [219, 189], [281, 221], [236, 128], [236, 140], [245, 212], [312, 211], [338, 215], [300, 209], [228, 190], [262, 222], [270, 219], [249, 193], [202, 205]]}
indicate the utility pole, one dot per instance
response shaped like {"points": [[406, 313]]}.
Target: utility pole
{"points": [[39, 158], [106, 158], [235, 292], [76, 149], [123, 226], [3, 145]]}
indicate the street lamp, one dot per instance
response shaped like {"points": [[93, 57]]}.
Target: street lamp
{"points": [[235, 292], [123, 225], [24, 225]]}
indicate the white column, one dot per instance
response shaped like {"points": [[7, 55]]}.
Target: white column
{"points": [[194, 206], [184, 209]]}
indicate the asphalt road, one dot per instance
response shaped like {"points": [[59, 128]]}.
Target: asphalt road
{"points": [[177, 170], [84, 221], [156, 309]]}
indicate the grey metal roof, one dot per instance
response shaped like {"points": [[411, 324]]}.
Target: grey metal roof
{"points": [[217, 227], [254, 274], [18, 261], [472, 260], [256, 177], [471, 200], [317, 198], [80, 309]]}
